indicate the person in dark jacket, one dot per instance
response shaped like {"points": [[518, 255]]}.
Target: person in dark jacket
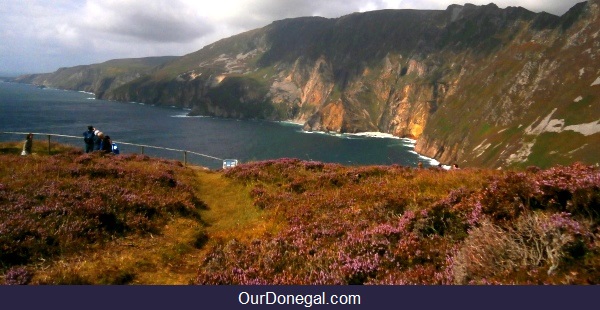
{"points": [[88, 139], [106, 144]]}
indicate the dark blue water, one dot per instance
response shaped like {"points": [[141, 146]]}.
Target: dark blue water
{"points": [[26, 108]]}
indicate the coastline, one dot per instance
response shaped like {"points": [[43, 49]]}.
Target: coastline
{"points": [[432, 162], [410, 143], [379, 135]]}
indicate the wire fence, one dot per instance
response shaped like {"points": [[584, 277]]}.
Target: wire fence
{"points": [[126, 147]]}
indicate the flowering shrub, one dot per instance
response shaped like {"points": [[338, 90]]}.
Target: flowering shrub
{"points": [[56, 205], [18, 276], [333, 224], [397, 225]]}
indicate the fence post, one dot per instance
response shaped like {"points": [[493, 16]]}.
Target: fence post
{"points": [[185, 158], [49, 145], [142, 149]]}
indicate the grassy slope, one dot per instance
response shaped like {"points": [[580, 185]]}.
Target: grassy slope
{"points": [[397, 225], [169, 254], [98, 78], [169, 257], [288, 221], [498, 98]]}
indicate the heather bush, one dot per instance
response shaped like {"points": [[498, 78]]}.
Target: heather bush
{"points": [[66, 203], [18, 276], [328, 224], [528, 222], [397, 225], [574, 189], [534, 241], [343, 226], [506, 198]]}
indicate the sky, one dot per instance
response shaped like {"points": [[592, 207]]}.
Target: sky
{"points": [[38, 36]]}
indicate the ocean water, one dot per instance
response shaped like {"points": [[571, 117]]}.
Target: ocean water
{"points": [[27, 108]]}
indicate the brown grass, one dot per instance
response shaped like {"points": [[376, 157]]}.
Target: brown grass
{"points": [[170, 256], [231, 212], [289, 221]]}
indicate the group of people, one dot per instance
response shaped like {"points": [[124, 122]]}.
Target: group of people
{"points": [[96, 140]]}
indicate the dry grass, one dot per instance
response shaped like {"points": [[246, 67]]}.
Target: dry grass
{"points": [[231, 212], [170, 256], [289, 221]]}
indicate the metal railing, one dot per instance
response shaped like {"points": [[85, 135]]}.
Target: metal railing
{"points": [[141, 146]]}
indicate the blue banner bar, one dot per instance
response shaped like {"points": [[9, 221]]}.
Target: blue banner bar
{"points": [[298, 297]]}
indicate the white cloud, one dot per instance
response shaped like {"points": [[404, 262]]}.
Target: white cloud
{"points": [[41, 35], [154, 21]]}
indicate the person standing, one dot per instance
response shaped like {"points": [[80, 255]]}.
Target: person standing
{"points": [[27, 145], [107, 144], [98, 137], [88, 139]]}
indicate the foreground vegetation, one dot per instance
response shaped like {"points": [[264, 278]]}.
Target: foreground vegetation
{"points": [[74, 218], [398, 225]]}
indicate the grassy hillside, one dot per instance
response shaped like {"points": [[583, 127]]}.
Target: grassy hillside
{"points": [[74, 218], [98, 78], [476, 85]]}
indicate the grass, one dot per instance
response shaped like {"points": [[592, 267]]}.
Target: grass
{"points": [[165, 258], [231, 212], [398, 225], [562, 147], [40, 147], [169, 254], [290, 221]]}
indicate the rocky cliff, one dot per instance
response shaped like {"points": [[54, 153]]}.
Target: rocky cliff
{"points": [[97, 78], [534, 100], [477, 85]]}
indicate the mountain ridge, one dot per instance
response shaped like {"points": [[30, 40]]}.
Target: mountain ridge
{"points": [[97, 78], [470, 83]]}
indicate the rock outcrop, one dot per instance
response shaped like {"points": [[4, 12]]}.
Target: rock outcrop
{"points": [[477, 85], [97, 78]]}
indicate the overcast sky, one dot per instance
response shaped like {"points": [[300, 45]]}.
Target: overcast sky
{"points": [[41, 36]]}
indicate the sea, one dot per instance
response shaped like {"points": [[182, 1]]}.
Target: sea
{"points": [[42, 111]]}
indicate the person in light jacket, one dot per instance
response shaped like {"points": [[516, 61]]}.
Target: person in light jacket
{"points": [[98, 137], [27, 145]]}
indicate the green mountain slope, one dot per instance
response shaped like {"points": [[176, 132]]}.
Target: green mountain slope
{"points": [[97, 78], [534, 101], [476, 85]]}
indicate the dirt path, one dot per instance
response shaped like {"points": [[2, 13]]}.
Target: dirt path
{"points": [[171, 257]]}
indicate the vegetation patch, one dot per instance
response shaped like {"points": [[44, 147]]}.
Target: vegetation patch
{"points": [[54, 207], [74, 218], [397, 225]]}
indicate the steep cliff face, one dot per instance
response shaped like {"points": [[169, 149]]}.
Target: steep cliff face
{"points": [[534, 101], [306, 70], [477, 85], [97, 78]]}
